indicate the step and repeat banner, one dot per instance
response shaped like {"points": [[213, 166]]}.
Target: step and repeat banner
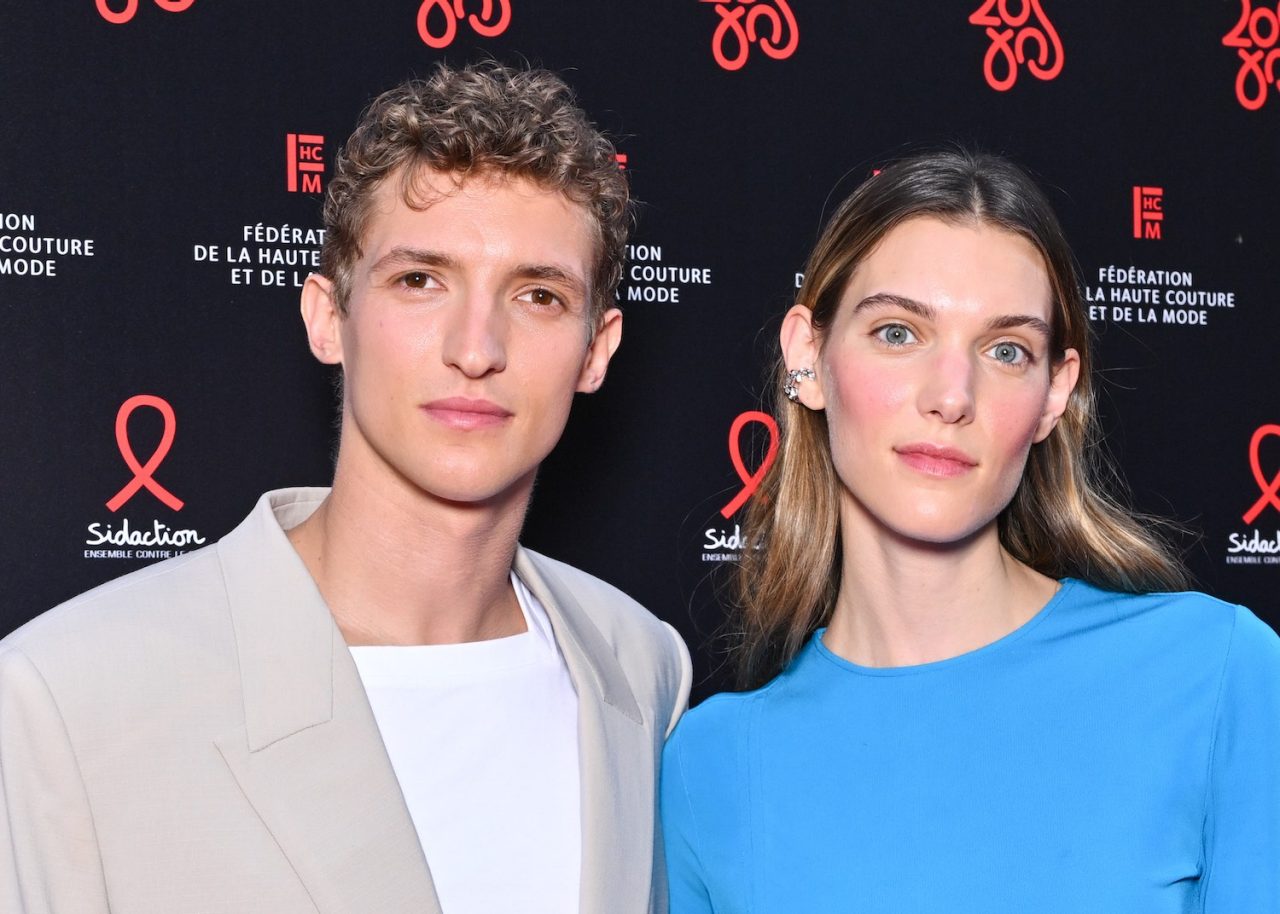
{"points": [[160, 182]]}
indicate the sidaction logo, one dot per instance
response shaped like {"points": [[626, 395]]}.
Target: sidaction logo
{"points": [[125, 11], [1011, 38], [721, 544], [1254, 36], [161, 540], [438, 20], [769, 25], [1254, 548]]}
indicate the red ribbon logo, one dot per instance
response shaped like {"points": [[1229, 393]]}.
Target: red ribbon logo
{"points": [[493, 20], [1270, 490], [144, 476], [743, 26], [131, 9], [1257, 29], [1009, 45], [750, 481]]}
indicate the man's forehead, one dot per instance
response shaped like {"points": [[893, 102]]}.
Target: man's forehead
{"points": [[487, 209], [420, 186]]}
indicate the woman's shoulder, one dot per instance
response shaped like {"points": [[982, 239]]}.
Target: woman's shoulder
{"points": [[1187, 623], [715, 722], [1188, 610]]}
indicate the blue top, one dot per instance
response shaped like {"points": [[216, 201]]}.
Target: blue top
{"points": [[1116, 753]]}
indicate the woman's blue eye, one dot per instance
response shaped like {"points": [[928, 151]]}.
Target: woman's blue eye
{"points": [[895, 335], [1009, 353]]}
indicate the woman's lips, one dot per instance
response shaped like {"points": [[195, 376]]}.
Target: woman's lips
{"points": [[935, 460]]}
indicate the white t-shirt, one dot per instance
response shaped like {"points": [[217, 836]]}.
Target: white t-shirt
{"points": [[483, 737]]}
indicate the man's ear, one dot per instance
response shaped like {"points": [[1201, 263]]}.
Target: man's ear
{"points": [[801, 349], [321, 318], [601, 349], [1062, 381]]}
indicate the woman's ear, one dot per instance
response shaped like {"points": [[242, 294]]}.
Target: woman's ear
{"points": [[1062, 381], [800, 350]]}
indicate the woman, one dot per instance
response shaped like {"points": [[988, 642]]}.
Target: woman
{"points": [[976, 685]]}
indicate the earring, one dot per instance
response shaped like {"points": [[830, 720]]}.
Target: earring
{"points": [[793, 378]]}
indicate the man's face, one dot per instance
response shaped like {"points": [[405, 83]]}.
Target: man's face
{"points": [[467, 334]]}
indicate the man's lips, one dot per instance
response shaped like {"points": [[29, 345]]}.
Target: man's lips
{"points": [[465, 413], [935, 460]]}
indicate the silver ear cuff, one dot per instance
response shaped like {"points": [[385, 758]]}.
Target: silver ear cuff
{"points": [[789, 386]]}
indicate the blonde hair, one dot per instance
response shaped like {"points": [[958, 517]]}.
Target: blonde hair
{"points": [[1066, 518]]}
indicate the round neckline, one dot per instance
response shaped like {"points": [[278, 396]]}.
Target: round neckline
{"points": [[820, 649]]}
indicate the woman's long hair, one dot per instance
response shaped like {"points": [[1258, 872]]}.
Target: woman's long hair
{"points": [[1065, 518]]}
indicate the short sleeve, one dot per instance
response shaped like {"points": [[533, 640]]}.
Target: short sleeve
{"points": [[687, 887], [1242, 822]]}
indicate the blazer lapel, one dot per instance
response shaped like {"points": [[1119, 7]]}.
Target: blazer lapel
{"points": [[310, 759], [616, 754]]}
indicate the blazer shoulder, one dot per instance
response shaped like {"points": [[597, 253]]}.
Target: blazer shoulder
{"points": [[652, 653], [616, 614], [168, 603]]}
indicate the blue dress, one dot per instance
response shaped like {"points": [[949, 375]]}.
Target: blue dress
{"points": [[1116, 753]]}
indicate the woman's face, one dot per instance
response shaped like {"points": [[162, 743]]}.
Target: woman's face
{"points": [[936, 377]]}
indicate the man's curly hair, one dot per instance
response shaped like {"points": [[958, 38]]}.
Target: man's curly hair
{"points": [[484, 118]]}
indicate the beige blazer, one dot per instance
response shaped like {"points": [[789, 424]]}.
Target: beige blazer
{"points": [[194, 737]]}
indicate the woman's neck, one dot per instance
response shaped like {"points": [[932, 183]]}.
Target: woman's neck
{"points": [[903, 603]]}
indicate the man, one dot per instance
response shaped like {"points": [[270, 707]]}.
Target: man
{"points": [[372, 699]]}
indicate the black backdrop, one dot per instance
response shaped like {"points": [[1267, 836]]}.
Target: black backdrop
{"points": [[142, 139]]}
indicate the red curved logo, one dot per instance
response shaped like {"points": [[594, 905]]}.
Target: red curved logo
{"points": [[438, 20], [144, 474], [750, 480], [1254, 37], [129, 9], [743, 23], [1011, 35], [1270, 490]]}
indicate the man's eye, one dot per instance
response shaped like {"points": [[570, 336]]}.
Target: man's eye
{"points": [[416, 280], [543, 298]]}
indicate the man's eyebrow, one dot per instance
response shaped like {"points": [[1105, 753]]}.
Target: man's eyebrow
{"points": [[412, 257], [1004, 322]]}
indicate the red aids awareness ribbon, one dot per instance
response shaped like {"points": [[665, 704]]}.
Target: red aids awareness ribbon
{"points": [[1270, 490], [751, 481], [143, 475]]}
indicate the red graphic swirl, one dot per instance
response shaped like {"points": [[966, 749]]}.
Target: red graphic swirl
{"points": [[144, 475], [751, 481], [130, 9], [1009, 44], [495, 16], [1270, 490], [1255, 36], [740, 28]]}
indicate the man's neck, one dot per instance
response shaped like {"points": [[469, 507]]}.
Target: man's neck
{"points": [[399, 567]]}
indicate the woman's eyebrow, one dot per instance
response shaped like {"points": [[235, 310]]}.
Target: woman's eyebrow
{"points": [[1009, 321], [889, 300], [928, 312]]}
